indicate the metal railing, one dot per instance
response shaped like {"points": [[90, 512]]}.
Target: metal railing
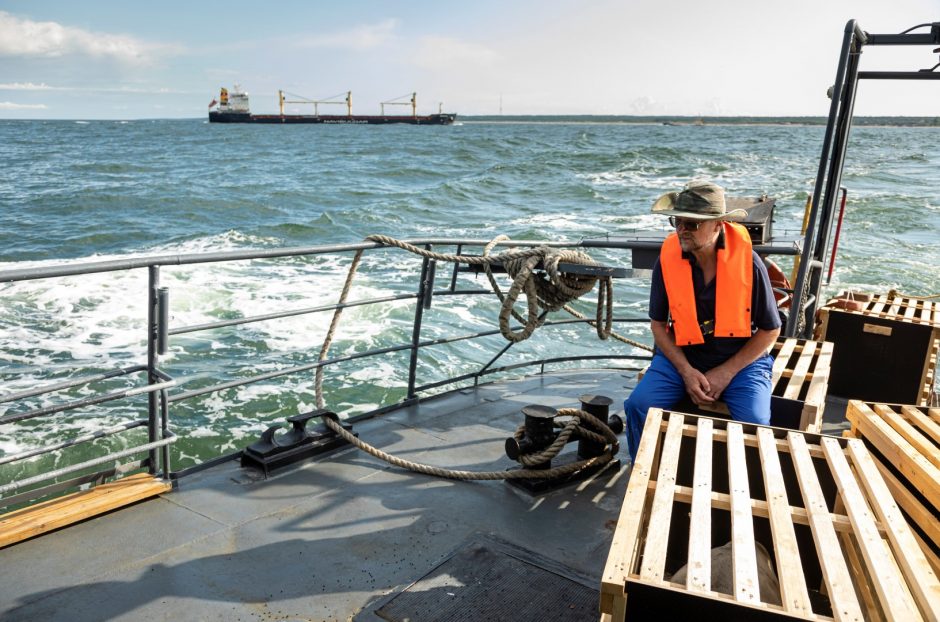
{"points": [[158, 383]]}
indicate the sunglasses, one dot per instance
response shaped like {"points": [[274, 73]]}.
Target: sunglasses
{"points": [[685, 223]]}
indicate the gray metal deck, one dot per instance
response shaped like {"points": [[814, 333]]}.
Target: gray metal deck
{"points": [[326, 539], [331, 539]]}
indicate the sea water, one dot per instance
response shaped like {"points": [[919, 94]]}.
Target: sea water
{"points": [[89, 191]]}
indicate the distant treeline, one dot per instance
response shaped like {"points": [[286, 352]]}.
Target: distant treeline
{"points": [[898, 121]]}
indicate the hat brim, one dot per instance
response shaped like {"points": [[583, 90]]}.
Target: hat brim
{"points": [[666, 206]]}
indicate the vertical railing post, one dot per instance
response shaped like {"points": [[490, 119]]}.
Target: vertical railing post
{"points": [[423, 286], [152, 349]]}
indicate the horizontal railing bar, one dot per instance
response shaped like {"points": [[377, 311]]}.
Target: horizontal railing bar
{"points": [[36, 493], [88, 401], [10, 397], [75, 441], [282, 314], [44, 272], [283, 372], [342, 359], [170, 438]]}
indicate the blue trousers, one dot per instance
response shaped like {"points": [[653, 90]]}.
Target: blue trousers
{"points": [[747, 395]]}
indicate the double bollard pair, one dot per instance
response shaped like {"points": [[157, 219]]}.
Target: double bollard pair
{"points": [[540, 431]]}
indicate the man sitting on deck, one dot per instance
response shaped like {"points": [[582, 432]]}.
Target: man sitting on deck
{"points": [[712, 313]]}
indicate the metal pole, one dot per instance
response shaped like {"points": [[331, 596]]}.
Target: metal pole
{"points": [[799, 288], [153, 314], [416, 327]]}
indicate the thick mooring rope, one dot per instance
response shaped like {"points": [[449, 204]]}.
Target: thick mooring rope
{"points": [[551, 294], [571, 427]]}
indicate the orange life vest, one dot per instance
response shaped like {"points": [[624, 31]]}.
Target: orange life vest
{"points": [[734, 278]]}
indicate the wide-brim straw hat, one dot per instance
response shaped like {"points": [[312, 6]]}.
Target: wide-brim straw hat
{"points": [[699, 200]]}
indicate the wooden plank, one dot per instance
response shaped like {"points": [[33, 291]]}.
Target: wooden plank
{"points": [[878, 305], [792, 391], [911, 505], [780, 361], [910, 433], [910, 309], [698, 577], [746, 585], [920, 576], [857, 567], [722, 501], [820, 384], [620, 560], [926, 426], [893, 594], [794, 595], [838, 582], [653, 565], [56, 513], [896, 450]]}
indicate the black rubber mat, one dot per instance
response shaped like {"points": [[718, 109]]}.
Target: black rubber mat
{"points": [[486, 581]]}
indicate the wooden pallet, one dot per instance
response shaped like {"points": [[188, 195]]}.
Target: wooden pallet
{"points": [[800, 381], [886, 351], [43, 517], [905, 443], [839, 544]]}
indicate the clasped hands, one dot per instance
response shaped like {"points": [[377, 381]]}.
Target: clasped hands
{"points": [[706, 388]]}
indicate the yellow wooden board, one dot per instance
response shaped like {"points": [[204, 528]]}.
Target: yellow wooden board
{"points": [[43, 517]]}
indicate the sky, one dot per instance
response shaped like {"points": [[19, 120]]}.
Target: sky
{"points": [[132, 60]]}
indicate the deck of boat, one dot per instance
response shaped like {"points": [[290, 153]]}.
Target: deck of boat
{"points": [[340, 537]]}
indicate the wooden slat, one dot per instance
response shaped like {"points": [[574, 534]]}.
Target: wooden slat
{"points": [[878, 304], [698, 577], [792, 391], [782, 357], [910, 309], [794, 595], [746, 586], [896, 450], [44, 517], [906, 500], [820, 383], [620, 561], [722, 501], [923, 422], [910, 433], [918, 572], [654, 555], [845, 605], [890, 586]]}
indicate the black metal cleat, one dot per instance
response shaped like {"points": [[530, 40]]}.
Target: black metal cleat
{"points": [[274, 450]]}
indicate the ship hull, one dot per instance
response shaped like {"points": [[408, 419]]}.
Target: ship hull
{"points": [[433, 119]]}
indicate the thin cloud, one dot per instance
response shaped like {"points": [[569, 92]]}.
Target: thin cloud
{"points": [[24, 38], [442, 52], [15, 106], [363, 37]]}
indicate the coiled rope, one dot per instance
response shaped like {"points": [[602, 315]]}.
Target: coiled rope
{"points": [[551, 294]]}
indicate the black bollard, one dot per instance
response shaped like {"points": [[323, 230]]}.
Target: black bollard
{"points": [[539, 433], [597, 405]]}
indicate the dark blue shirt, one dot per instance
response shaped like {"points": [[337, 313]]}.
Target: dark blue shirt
{"points": [[716, 351]]}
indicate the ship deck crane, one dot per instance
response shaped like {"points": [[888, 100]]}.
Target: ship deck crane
{"points": [[316, 102]]}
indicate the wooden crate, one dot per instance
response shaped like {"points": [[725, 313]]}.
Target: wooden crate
{"points": [[905, 444], [886, 351], [838, 542], [800, 383]]}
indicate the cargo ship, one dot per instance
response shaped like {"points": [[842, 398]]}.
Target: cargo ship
{"points": [[232, 107]]}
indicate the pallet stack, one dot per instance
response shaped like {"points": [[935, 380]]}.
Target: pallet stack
{"points": [[800, 381], [886, 346], [817, 505], [905, 444]]}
